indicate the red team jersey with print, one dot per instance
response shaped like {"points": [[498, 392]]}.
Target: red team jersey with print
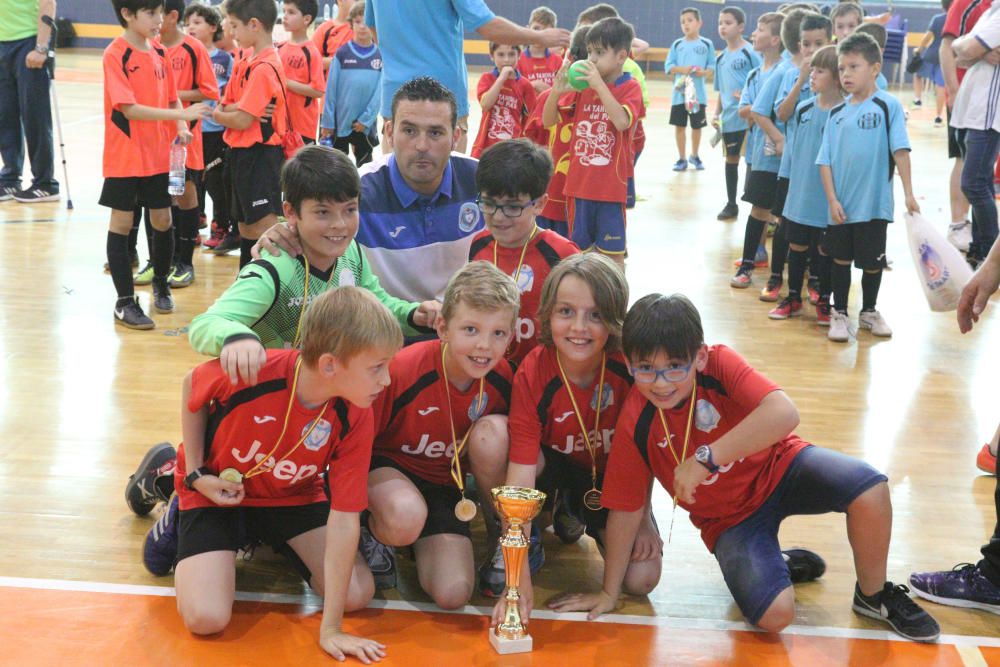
{"points": [[727, 391], [602, 157], [303, 63], [331, 36], [245, 421], [539, 69], [256, 82], [411, 415], [192, 67], [136, 148], [541, 412], [543, 252], [559, 140], [507, 118], [961, 19]]}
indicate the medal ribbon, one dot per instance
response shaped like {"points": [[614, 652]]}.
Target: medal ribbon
{"points": [[456, 463], [579, 416]]}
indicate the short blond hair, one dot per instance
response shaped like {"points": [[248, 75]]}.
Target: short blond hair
{"points": [[543, 15], [345, 322], [483, 287], [607, 285]]}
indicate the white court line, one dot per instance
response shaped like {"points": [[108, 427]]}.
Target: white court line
{"points": [[670, 622]]}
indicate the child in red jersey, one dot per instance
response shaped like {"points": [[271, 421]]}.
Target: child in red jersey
{"points": [[303, 69], [603, 128], [718, 436], [506, 98], [142, 116], [510, 200], [443, 392], [250, 469], [537, 63], [334, 33], [565, 402]]}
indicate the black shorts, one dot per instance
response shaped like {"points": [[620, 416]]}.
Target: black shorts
{"points": [[440, 499], [194, 175], [780, 195], [207, 529], [733, 142], [761, 188], [573, 482], [807, 235], [863, 242], [124, 194], [956, 140], [679, 117], [214, 150], [308, 141], [256, 177]]}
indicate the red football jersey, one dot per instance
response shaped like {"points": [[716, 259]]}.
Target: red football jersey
{"points": [[256, 82], [539, 69], [303, 63], [541, 412], [510, 112], [961, 19], [244, 422], [192, 67], [602, 157], [411, 416], [331, 36], [558, 139], [728, 390], [543, 252]]}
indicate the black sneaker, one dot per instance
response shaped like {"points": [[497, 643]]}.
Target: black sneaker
{"points": [[7, 192], [381, 559], [153, 480], [35, 195], [568, 528], [128, 313], [162, 301], [492, 577], [730, 212], [803, 565], [229, 243], [181, 275], [893, 606]]}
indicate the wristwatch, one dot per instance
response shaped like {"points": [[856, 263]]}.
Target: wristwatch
{"points": [[195, 475], [42, 48], [703, 455]]}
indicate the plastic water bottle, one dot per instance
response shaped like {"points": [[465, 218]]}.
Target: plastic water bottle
{"points": [[327, 141], [326, 11], [178, 158], [769, 147]]}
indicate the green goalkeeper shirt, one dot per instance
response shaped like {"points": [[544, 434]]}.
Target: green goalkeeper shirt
{"points": [[265, 300]]}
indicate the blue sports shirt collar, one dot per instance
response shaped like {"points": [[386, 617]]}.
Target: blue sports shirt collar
{"points": [[407, 195]]}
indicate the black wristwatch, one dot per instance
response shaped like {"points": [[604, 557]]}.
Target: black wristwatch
{"points": [[703, 455], [195, 475]]}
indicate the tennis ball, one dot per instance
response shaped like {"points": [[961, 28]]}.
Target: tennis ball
{"points": [[574, 76]]}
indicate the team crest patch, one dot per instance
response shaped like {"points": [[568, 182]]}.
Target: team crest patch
{"points": [[706, 417], [319, 436], [376, 63], [468, 216], [478, 407], [607, 397], [346, 279], [525, 279]]}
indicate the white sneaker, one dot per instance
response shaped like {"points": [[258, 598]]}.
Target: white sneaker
{"points": [[873, 321], [840, 330], [960, 235]]}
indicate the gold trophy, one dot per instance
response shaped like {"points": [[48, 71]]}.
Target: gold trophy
{"points": [[517, 505]]}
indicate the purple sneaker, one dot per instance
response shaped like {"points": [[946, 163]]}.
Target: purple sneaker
{"points": [[963, 586], [159, 552]]}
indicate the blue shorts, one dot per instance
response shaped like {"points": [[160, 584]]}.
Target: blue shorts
{"points": [[932, 72], [560, 227], [817, 481], [597, 225]]}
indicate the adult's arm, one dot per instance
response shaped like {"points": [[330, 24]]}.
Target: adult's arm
{"points": [[984, 38], [502, 31], [34, 59]]}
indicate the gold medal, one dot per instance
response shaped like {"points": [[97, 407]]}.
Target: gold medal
{"points": [[231, 475], [465, 510], [592, 500]]}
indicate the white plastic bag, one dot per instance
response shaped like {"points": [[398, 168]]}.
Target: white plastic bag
{"points": [[691, 103], [942, 270]]}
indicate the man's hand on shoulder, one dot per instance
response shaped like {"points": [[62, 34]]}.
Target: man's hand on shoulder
{"points": [[283, 236]]}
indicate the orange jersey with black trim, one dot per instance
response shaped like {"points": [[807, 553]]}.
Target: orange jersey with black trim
{"points": [[331, 36], [303, 64], [192, 68], [136, 148], [257, 82]]}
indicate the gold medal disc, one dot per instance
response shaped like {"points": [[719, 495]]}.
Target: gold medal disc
{"points": [[231, 475], [465, 510], [592, 500]]}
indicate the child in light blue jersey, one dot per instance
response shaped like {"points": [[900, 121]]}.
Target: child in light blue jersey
{"points": [[353, 92], [864, 141], [732, 67], [690, 56]]}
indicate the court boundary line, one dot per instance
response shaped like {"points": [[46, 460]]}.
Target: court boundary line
{"points": [[669, 622]]}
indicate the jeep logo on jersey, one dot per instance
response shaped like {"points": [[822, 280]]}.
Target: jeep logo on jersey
{"points": [[318, 437], [468, 216], [346, 279], [286, 471], [607, 397], [525, 279], [575, 443], [870, 120], [478, 407], [524, 328], [431, 449]]}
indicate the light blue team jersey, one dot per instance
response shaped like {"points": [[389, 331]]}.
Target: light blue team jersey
{"points": [[353, 89], [764, 105], [732, 68], [858, 145], [880, 82], [222, 66], [750, 90], [805, 93], [684, 52], [806, 203]]}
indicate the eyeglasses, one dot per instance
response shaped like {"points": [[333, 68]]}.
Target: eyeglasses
{"points": [[670, 373], [509, 210]]}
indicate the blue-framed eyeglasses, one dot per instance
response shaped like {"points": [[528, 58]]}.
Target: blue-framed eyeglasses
{"points": [[509, 210], [670, 373]]}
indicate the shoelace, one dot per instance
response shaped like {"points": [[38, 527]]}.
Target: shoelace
{"points": [[898, 598]]}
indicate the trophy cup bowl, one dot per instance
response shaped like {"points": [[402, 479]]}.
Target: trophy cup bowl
{"points": [[517, 505]]}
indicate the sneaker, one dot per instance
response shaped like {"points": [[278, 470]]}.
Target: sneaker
{"points": [[840, 328], [772, 290], [35, 195], [203, 221], [730, 212], [823, 313], [960, 235], [962, 586], [742, 279], [492, 577], [181, 275], [536, 552], [760, 260], [568, 528], [772, 227], [893, 606], [696, 163], [812, 288], [789, 307], [229, 243], [153, 480], [215, 238], [938, 121], [145, 276], [163, 302], [874, 322], [803, 565], [159, 552], [986, 461], [8, 192], [128, 313], [917, 103], [680, 165], [381, 559]]}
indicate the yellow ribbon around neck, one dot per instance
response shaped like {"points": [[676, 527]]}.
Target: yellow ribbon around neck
{"points": [[579, 415], [456, 458]]}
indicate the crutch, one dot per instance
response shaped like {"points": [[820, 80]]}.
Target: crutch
{"points": [[50, 67]]}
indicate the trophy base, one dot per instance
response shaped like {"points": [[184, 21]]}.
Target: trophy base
{"points": [[505, 646]]}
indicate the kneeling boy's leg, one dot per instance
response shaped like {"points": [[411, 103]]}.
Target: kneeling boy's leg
{"points": [[445, 568], [489, 443], [206, 586], [398, 510]]}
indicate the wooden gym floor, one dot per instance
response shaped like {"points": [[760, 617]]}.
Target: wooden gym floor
{"points": [[81, 401]]}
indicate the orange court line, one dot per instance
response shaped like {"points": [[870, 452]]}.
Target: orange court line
{"points": [[86, 628]]}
